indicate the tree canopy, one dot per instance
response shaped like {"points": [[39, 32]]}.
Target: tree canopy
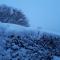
{"points": [[12, 15]]}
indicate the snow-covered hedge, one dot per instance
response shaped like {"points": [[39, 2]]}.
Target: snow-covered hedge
{"points": [[22, 43]]}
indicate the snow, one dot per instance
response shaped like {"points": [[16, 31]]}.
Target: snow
{"points": [[13, 27], [9, 28], [19, 42], [56, 58], [51, 32]]}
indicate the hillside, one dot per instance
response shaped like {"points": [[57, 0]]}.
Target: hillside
{"points": [[24, 43]]}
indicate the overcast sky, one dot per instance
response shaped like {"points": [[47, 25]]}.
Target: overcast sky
{"points": [[41, 13]]}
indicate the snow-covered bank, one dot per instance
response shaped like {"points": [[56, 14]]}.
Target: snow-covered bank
{"points": [[13, 27], [21, 43]]}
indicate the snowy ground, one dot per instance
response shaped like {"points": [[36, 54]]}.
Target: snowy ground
{"points": [[21, 43], [56, 58]]}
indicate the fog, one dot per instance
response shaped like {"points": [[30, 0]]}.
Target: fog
{"points": [[40, 13]]}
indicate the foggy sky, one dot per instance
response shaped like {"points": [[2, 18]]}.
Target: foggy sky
{"points": [[40, 13]]}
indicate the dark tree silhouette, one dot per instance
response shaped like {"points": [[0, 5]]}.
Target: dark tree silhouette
{"points": [[11, 15]]}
